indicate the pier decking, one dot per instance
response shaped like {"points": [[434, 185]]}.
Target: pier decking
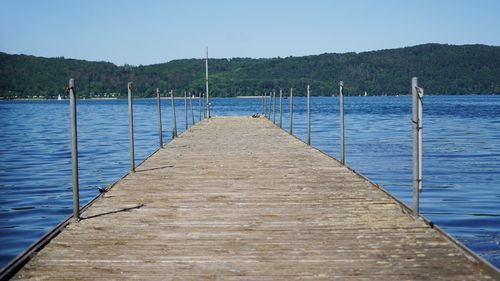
{"points": [[237, 198]]}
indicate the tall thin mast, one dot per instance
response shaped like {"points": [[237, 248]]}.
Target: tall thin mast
{"points": [[206, 83]]}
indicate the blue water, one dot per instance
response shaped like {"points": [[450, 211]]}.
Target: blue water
{"points": [[461, 156]]}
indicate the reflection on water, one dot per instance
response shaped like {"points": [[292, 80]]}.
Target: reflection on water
{"points": [[461, 156]]}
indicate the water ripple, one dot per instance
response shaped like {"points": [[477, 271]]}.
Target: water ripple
{"points": [[461, 156]]}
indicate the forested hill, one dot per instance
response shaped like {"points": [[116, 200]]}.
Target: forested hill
{"points": [[442, 69]]}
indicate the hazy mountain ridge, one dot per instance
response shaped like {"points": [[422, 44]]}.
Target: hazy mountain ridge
{"points": [[442, 69]]}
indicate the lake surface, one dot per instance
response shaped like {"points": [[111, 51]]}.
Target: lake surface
{"points": [[461, 156]]}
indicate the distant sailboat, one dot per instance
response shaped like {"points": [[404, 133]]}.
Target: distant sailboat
{"points": [[59, 97], [366, 94]]}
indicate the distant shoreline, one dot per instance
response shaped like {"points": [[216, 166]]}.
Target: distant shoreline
{"points": [[237, 97], [33, 99], [248, 97], [448, 69]]}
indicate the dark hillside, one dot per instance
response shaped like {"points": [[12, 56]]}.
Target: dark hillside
{"points": [[442, 69]]}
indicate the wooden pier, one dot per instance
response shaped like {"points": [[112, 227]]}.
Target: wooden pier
{"points": [[237, 198]]}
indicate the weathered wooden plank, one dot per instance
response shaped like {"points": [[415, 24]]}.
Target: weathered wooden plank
{"points": [[239, 199]]}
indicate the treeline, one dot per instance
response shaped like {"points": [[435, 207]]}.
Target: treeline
{"points": [[442, 69]]}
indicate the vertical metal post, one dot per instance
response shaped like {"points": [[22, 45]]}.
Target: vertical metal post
{"points": [[191, 106], [131, 127], [417, 104], [265, 105], [420, 140], [341, 96], [186, 110], [262, 99], [203, 104], [291, 111], [269, 102], [308, 116], [274, 107], [206, 84], [174, 119], [74, 149], [281, 108], [160, 133], [199, 104]]}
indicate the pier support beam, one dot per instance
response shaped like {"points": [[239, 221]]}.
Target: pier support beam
{"points": [[160, 130], [342, 144], [262, 100], [281, 109], [274, 107], [191, 106], [200, 105], [308, 116], [206, 84], [74, 149], [264, 106], [417, 104], [174, 119], [131, 127], [291, 111], [186, 111]]}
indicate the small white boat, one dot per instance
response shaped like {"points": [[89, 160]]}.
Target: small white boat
{"points": [[59, 97]]}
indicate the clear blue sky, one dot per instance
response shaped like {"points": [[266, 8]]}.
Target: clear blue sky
{"points": [[146, 32]]}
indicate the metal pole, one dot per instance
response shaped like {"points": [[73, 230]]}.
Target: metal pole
{"points": [[414, 121], [191, 106], [186, 110], [160, 133], [281, 108], [74, 149], [199, 104], [206, 84], [269, 100], [291, 111], [131, 127], [174, 128], [265, 104], [262, 98], [204, 106], [308, 117], [274, 107], [341, 96], [420, 141], [417, 95]]}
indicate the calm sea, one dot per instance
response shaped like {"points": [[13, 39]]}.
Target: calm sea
{"points": [[461, 156]]}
